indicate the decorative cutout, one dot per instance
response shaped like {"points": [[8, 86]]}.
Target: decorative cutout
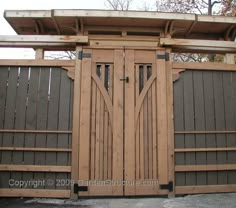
{"points": [[144, 73], [103, 72], [176, 74], [70, 71]]}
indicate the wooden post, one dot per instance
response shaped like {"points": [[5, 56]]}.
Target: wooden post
{"points": [[170, 121], [39, 53], [229, 58], [75, 126], [162, 124]]}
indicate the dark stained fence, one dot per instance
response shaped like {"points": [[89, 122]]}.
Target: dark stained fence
{"points": [[35, 127], [205, 130]]}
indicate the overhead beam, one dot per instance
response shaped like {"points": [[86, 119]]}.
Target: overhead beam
{"points": [[41, 41], [44, 38], [199, 45]]}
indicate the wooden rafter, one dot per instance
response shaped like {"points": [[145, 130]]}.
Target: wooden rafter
{"points": [[192, 26]]}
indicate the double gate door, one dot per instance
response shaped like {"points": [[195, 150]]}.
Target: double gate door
{"points": [[123, 122]]}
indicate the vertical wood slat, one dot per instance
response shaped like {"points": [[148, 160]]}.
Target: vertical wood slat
{"points": [[162, 120], [231, 141], [141, 125], [210, 123], [117, 145], [9, 116], [149, 122], [101, 126], [85, 118], [220, 123], [9, 122], [199, 109], [106, 119], [110, 137], [21, 98], [145, 126], [3, 92], [41, 120], [53, 109], [189, 124], [93, 130], [129, 145], [179, 126], [154, 131], [97, 161], [105, 153], [63, 124], [229, 121], [137, 136], [110, 150], [31, 114]]}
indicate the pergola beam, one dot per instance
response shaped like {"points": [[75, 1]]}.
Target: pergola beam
{"points": [[184, 45], [41, 41]]}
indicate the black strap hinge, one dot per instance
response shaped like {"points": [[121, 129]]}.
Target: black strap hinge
{"points": [[168, 186], [165, 56], [82, 55], [78, 188]]}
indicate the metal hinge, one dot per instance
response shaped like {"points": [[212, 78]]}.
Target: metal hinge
{"points": [[82, 55], [165, 56], [168, 186], [78, 188]]}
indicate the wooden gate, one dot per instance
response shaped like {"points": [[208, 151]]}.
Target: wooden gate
{"points": [[123, 122]]}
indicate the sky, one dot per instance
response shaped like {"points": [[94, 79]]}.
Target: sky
{"points": [[5, 28]]}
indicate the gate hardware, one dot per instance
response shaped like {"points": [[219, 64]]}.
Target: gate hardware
{"points": [[78, 188], [126, 79], [165, 56], [82, 55], [168, 186]]}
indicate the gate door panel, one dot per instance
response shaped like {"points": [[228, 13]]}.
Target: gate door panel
{"points": [[145, 123], [101, 122]]}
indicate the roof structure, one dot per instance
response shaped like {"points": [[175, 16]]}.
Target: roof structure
{"points": [[73, 22]]}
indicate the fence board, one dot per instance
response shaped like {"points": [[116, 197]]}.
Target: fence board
{"points": [[179, 126], [53, 109], [3, 92], [189, 125], [21, 99], [199, 124], [220, 122], [63, 124], [9, 122], [210, 123]]}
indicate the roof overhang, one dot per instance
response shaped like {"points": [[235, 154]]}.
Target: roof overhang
{"points": [[73, 22]]}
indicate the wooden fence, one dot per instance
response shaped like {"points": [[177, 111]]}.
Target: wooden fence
{"points": [[205, 131], [35, 131]]}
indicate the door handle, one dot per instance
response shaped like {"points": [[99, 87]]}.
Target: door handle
{"points": [[126, 79]]}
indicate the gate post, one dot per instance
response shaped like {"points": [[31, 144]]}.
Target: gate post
{"points": [[75, 126], [170, 122]]}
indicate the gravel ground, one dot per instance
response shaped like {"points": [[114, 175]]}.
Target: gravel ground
{"points": [[192, 201]]}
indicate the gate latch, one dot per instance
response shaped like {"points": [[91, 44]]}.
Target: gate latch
{"points": [[78, 188], [168, 186], [126, 79]]}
